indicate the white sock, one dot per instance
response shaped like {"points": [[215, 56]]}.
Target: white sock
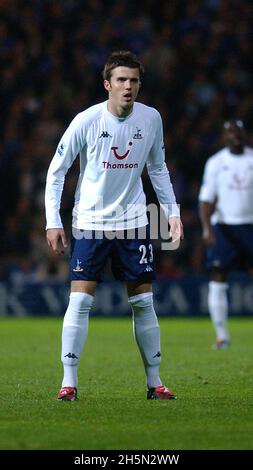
{"points": [[218, 308], [147, 335], [74, 334]]}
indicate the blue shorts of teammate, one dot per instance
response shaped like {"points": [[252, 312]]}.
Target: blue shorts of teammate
{"points": [[131, 259], [233, 249]]}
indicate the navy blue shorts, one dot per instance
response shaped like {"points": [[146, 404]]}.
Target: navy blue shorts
{"points": [[131, 259], [233, 249]]}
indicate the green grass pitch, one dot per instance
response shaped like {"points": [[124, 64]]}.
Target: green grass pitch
{"points": [[214, 409]]}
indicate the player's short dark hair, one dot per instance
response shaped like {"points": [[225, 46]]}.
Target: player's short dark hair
{"points": [[122, 59]]}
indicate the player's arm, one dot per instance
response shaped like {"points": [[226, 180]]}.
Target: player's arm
{"points": [[67, 150], [160, 179], [205, 212], [207, 201]]}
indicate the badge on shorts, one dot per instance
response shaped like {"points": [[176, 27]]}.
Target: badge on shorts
{"points": [[78, 268]]}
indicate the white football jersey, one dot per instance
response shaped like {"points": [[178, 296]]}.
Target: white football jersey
{"points": [[228, 181], [113, 152]]}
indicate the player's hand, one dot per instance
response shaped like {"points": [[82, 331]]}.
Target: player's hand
{"points": [[176, 228], [208, 236], [56, 238]]}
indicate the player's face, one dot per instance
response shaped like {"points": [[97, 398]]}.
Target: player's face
{"points": [[123, 88], [235, 138]]}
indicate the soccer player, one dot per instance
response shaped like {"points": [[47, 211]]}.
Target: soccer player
{"points": [[226, 213], [114, 139]]}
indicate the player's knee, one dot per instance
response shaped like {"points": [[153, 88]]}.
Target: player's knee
{"points": [[217, 287], [143, 310], [141, 301], [79, 303]]}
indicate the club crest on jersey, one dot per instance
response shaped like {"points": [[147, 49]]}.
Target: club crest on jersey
{"points": [[121, 156], [138, 135], [78, 268]]}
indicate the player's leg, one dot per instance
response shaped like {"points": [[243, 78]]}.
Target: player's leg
{"points": [[146, 329], [218, 308], [87, 260], [133, 262], [220, 259], [147, 334], [74, 332]]}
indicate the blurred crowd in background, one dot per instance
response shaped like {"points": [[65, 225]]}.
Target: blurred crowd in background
{"points": [[198, 59]]}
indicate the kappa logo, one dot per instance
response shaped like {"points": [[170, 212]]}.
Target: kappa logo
{"points": [[78, 268], [122, 156], [148, 269], [158, 354], [105, 134], [71, 356], [138, 135]]}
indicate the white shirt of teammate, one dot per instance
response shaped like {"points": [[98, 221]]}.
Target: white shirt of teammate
{"points": [[228, 182], [113, 152]]}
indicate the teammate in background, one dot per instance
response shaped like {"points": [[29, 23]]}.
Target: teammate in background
{"points": [[226, 213], [115, 139]]}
